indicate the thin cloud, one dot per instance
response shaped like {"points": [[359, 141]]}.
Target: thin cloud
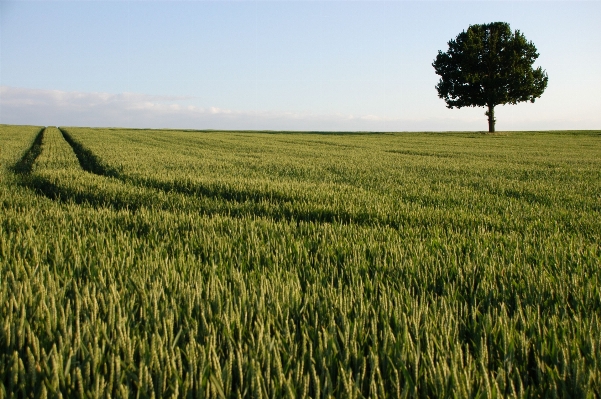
{"points": [[70, 108], [56, 107]]}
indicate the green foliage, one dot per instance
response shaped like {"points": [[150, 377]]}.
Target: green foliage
{"points": [[489, 65], [161, 263]]}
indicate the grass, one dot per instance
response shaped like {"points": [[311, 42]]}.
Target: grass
{"points": [[262, 264]]}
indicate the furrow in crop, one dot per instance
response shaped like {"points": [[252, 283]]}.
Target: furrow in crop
{"points": [[25, 164], [87, 159], [233, 201]]}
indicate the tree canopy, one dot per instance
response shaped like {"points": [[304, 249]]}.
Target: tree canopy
{"points": [[489, 65]]}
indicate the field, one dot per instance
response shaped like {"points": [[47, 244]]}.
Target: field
{"points": [[147, 263]]}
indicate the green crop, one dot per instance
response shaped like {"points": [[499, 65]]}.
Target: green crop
{"points": [[154, 263]]}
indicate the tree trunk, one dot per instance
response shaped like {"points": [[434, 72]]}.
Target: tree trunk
{"points": [[491, 118]]}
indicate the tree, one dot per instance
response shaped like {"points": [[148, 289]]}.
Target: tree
{"points": [[487, 66]]}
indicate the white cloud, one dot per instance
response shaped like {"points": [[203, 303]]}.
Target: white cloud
{"points": [[56, 108]]}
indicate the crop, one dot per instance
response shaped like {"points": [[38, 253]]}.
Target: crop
{"points": [[260, 264]]}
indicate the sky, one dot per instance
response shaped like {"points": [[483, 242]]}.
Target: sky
{"points": [[280, 65]]}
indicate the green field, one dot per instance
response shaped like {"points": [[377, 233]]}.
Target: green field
{"points": [[148, 263]]}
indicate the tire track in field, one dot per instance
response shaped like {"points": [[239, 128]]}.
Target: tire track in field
{"points": [[230, 202], [77, 188], [25, 165], [237, 203], [238, 199], [92, 163], [87, 159]]}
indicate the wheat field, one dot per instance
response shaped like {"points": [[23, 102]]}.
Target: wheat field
{"points": [[163, 263]]}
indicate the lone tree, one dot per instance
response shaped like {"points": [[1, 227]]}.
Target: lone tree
{"points": [[486, 66]]}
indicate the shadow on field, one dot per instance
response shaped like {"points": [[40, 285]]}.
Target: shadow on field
{"points": [[216, 192], [231, 201], [118, 195], [106, 187], [422, 153], [25, 165], [289, 132], [103, 192], [522, 195], [80, 195], [87, 159]]}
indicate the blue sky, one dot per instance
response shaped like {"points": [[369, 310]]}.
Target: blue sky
{"points": [[294, 65]]}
